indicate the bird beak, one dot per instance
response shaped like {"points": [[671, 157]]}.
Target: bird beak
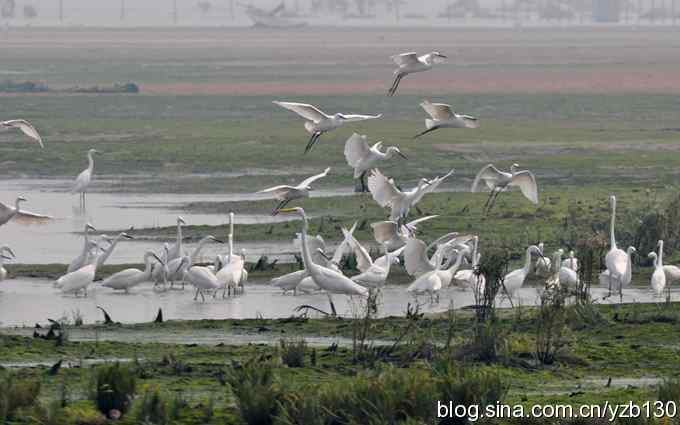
{"points": [[157, 259], [402, 155], [6, 257], [323, 254], [91, 227], [126, 236], [8, 249], [284, 210], [218, 240]]}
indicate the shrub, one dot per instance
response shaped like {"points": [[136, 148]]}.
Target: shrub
{"points": [[257, 393], [15, 394], [293, 352], [153, 408], [114, 388], [669, 390]]}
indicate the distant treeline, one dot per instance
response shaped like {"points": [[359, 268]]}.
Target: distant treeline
{"points": [[9, 86]]}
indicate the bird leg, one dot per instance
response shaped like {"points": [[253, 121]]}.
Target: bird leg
{"points": [[280, 205], [425, 132], [312, 141], [395, 85], [492, 200], [196, 296], [334, 313]]}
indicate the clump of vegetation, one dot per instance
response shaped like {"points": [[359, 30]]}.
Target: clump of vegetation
{"points": [[114, 388], [15, 394], [257, 392], [669, 390], [153, 407], [469, 387], [293, 352], [551, 324]]}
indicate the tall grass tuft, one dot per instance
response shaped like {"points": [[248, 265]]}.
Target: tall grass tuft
{"points": [[293, 352], [256, 391], [153, 408], [114, 388], [15, 394]]}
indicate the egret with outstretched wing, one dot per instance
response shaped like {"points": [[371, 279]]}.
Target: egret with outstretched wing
{"points": [[500, 181], [285, 193], [26, 127], [318, 122], [409, 63], [442, 116], [362, 157], [8, 212]]}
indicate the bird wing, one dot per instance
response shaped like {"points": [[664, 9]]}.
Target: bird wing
{"points": [[430, 187], [28, 217], [384, 231], [306, 111], [405, 58], [359, 117], [526, 181], [364, 260], [382, 260], [672, 272], [438, 111], [356, 149], [412, 226], [315, 244], [81, 181], [489, 174], [309, 180], [416, 261], [469, 121], [383, 189], [27, 128], [279, 192]]}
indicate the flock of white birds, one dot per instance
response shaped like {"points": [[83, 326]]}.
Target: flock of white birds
{"points": [[452, 259]]}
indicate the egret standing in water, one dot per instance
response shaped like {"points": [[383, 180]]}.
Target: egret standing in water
{"points": [[128, 278], [616, 259], [84, 179], [112, 245], [176, 250], [442, 116], [26, 127], [363, 158], [515, 279], [333, 282], [409, 63], [81, 278], [8, 213], [285, 193], [82, 259], [500, 181], [318, 122]]}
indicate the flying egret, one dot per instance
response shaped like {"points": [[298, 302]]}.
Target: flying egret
{"points": [[285, 193], [363, 158], [515, 279], [8, 212], [128, 278], [80, 279], [83, 258], [6, 253], [394, 235], [616, 259], [112, 245], [202, 279], [571, 262], [442, 116], [500, 181], [178, 266], [333, 282], [26, 127], [373, 273], [386, 193], [176, 250], [409, 63], [84, 179], [416, 260], [318, 122]]}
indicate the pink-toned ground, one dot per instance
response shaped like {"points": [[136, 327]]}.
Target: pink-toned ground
{"points": [[334, 61]]}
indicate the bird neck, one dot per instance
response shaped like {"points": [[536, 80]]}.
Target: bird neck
{"points": [[660, 261], [147, 264], [197, 250], [90, 160], [612, 237], [306, 255], [527, 261], [454, 267], [179, 235]]}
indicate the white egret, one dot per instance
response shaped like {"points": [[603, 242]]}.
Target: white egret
{"points": [[543, 265], [616, 259], [568, 277], [84, 179], [386, 193], [333, 282], [429, 283], [571, 262], [80, 279], [285, 193], [416, 260], [112, 245], [26, 127], [658, 280], [515, 279], [394, 235], [6, 253], [83, 258], [442, 116], [363, 158], [672, 272], [500, 181], [289, 281], [409, 63], [202, 279], [623, 280], [373, 273], [233, 272], [8, 212], [307, 286], [318, 122], [176, 250], [178, 266], [469, 277], [128, 278], [161, 273]]}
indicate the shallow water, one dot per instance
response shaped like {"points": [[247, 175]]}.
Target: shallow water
{"points": [[59, 241], [24, 302]]}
